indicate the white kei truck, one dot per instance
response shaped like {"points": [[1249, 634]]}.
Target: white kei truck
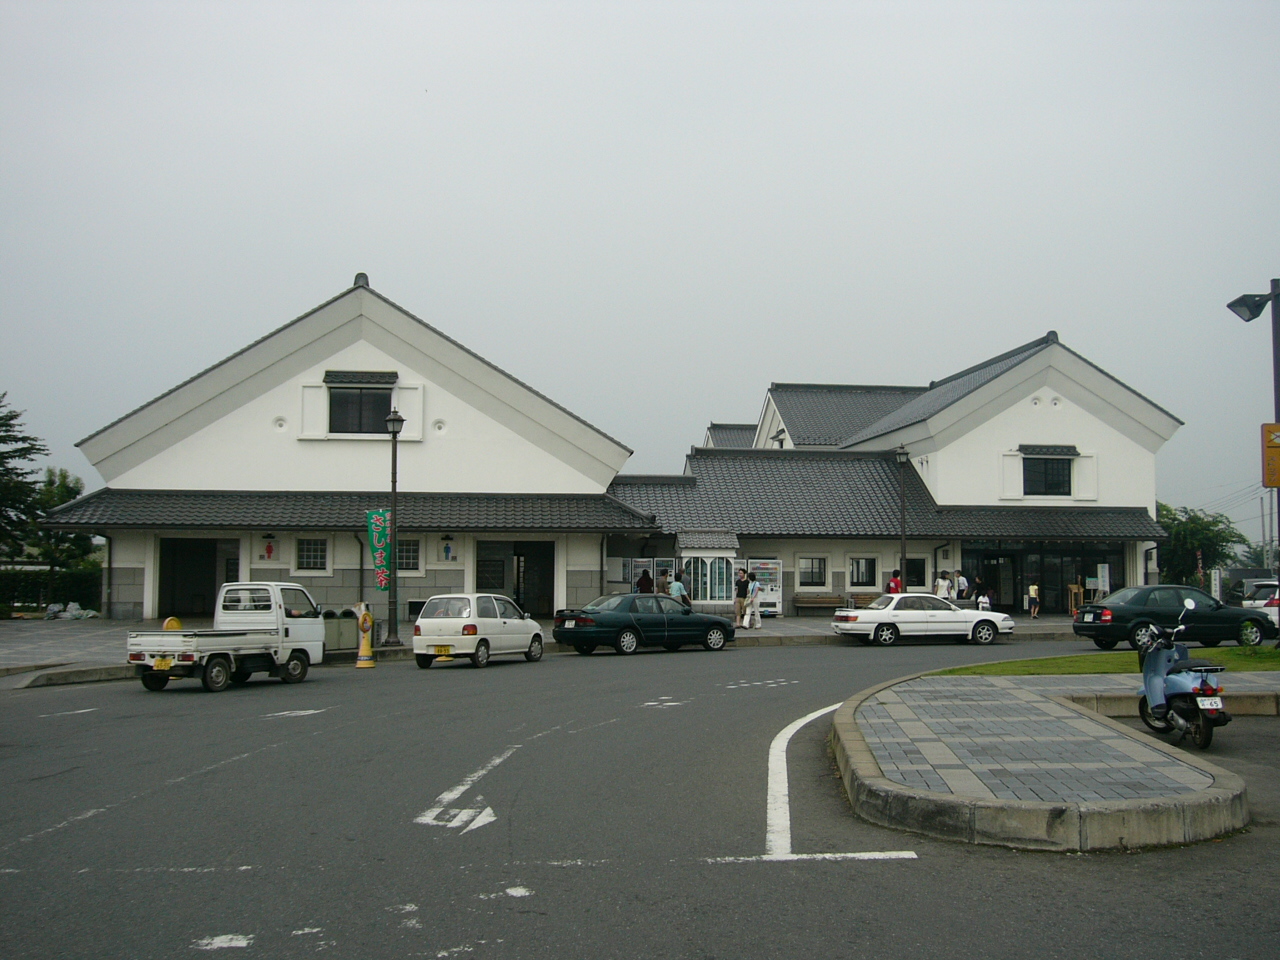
{"points": [[272, 628]]}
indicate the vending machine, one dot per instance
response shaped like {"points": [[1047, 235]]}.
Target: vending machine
{"points": [[769, 576]]}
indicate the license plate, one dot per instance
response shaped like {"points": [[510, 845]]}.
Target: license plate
{"points": [[1087, 618], [1209, 703], [163, 663], [569, 623], [443, 651]]}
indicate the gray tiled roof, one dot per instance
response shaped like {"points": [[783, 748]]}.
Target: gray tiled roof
{"points": [[794, 493], [943, 393], [732, 434], [817, 414], [707, 540], [109, 508]]}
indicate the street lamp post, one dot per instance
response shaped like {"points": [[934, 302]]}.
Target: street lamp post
{"points": [[902, 457], [395, 423], [1249, 307]]}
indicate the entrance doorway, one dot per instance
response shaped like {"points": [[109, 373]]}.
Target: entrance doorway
{"points": [[524, 570], [191, 573]]}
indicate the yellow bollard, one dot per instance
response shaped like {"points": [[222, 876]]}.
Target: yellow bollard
{"points": [[171, 623], [365, 657]]}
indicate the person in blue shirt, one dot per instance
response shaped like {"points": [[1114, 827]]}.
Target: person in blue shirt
{"points": [[678, 590]]}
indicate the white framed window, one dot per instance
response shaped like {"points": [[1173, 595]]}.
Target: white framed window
{"points": [[408, 555], [313, 556], [709, 578], [863, 572], [811, 572]]}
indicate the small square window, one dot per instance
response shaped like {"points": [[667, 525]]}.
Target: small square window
{"points": [[359, 409], [407, 553], [813, 571], [1046, 477], [313, 554], [862, 572], [913, 573]]}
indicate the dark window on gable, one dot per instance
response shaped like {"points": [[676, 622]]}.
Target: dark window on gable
{"points": [[359, 409], [1046, 477]]}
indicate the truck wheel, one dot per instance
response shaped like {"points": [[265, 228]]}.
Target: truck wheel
{"points": [[424, 660], [155, 681], [295, 668], [217, 674]]}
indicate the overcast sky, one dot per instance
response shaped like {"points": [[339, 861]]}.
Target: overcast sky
{"points": [[651, 211]]}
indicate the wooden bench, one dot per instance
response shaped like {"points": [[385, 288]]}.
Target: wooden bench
{"points": [[818, 601]]}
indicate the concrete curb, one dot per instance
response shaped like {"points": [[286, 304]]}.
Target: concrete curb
{"points": [[1098, 825], [53, 678], [29, 667]]}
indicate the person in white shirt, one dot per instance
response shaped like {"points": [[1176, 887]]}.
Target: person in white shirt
{"points": [[942, 586], [962, 586]]}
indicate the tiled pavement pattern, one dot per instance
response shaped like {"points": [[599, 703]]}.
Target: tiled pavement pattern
{"points": [[997, 737]]}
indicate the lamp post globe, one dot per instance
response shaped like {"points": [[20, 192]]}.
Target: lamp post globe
{"points": [[395, 423]]}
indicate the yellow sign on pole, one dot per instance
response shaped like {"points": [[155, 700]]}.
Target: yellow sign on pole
{"points": [[1271, 454]]}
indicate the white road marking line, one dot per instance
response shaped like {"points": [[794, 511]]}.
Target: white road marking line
{"points": [[65, 823], [404, 907], [305, 930], [777, 833], [791, 857], [66, 713], [224, 941], [461, 818], [292, 713], [665, 702], [602, 723], [518, 892]]}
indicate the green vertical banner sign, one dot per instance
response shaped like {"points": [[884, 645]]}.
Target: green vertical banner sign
{"points": [[380, 546]]}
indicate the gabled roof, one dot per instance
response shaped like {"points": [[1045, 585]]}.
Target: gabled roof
{"points": [[943, 393], [294, 510], [302, 342], [731, 434], [824, 414], [820, 493]]}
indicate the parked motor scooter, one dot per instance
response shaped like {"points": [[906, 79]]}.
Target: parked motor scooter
{"points": [[1179, 693]]}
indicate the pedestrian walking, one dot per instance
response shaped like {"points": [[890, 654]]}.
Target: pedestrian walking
{"points": [[740, 597], [753, 603], [1033, 595], [645, 583], [661, 586], [678, 590]]}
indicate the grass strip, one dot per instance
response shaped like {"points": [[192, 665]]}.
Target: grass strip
{"points": [[1243, 659]]}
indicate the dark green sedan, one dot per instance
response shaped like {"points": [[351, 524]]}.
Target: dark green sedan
{"points": [[1128, 614], [627, 621]]}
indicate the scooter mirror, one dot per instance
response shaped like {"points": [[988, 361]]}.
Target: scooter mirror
{"points": [[1189, 603]]}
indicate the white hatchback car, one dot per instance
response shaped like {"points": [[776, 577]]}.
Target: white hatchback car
{"points": [[895, 615], [1264, 594], [474, 625]]}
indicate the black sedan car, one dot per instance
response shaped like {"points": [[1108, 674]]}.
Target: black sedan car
{"points": [[626, 621], [1129, 613]]}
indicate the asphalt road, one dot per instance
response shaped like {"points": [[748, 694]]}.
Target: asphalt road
{"points": [[575, 808]]}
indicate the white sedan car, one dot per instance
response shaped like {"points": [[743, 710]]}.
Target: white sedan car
{"points": [[474, 625], [897, 615]]}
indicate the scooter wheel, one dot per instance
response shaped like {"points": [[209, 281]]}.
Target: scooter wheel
{"points": [[1201, 732], [1144, 711]]}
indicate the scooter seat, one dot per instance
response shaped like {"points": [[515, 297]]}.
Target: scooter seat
{"points": [[1199, 666]]}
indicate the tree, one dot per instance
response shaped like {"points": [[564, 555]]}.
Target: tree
{"points": [[1198, 542], [1255, 556], [17, 488], [60, 550]]}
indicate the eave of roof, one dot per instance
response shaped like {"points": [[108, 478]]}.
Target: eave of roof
{"points": [[303, 510]]}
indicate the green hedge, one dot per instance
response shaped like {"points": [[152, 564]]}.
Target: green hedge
{"points": [[36, 588]]}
